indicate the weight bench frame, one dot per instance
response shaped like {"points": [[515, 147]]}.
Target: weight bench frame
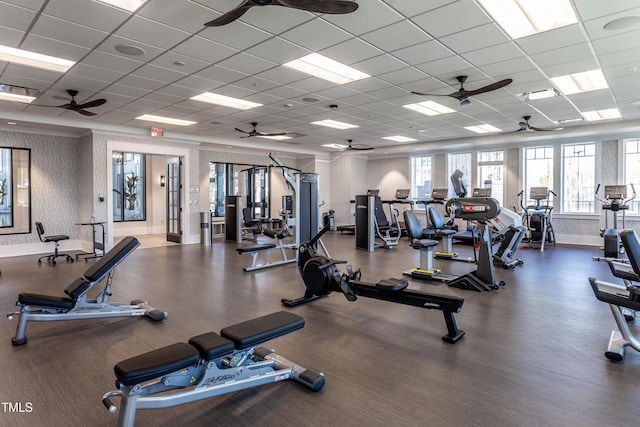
{"points": [[209, 365], [46, 308], [255, 250]]}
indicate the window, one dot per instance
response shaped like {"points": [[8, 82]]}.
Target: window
{"points": [[578, 167], [421, 177], [128, 187], [490, 172], [460, 162], [538, 170], [631, 170]]}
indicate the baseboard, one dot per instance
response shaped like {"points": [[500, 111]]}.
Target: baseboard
{"points": [[73, 246], [567, 239]]}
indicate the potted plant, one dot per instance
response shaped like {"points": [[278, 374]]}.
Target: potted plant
{"points": [[3, 190], [131, 191]]}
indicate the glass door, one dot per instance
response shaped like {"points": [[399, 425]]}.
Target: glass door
{"points": [[174, 203]]}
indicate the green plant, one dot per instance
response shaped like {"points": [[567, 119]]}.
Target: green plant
{"points": [[131, 191], [3, 189]]}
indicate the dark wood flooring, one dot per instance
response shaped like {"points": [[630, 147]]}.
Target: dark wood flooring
{"points": [[532, 354]]}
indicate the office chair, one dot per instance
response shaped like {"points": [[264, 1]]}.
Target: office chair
{"points": [[56, 239]]}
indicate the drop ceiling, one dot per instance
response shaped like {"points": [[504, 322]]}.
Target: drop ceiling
{"points": [[404, 45]]}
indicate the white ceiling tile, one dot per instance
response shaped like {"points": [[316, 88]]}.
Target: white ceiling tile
{"points": [[48, 46], [306, 35], [16, 17], [92, 14], [568, 53], [220, 74], [560, 37], [238, 36], [187, 16], [423, 52], [475, 38], [379, 65], [492, 54], [368, 17], [278, 50], [109, 46], [351, 51], [445, 66], [161, 74], [404, 75], [451, 18], [396, 36], [152, 33], [246, 63], [204, 50]]}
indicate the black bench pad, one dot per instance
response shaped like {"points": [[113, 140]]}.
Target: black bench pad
{"points": [[211, 345], [47, 301], [277, 233], [392, 284], [77, 288], [423, 243], [253, 332], [255, 248], [111, 259], [156, 363]]}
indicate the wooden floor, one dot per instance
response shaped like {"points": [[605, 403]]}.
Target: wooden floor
{"points": [[532, 354]]}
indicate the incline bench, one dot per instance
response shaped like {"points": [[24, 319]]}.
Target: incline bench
{"points": [[209, 365], [76, 306], [255, 250]]}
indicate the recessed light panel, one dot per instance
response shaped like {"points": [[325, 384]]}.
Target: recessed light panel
{"points": [[326, 68], [520, 18], [483, 129], [276, 137], [167, 120], [32, 59], [399, 138], [226, 101], [429, 108], [334, 124], [18, 93], [608, 114], [580, 82], [130, 5], [336, 146]]}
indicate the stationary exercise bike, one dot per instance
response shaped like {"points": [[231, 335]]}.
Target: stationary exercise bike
{"points": [[615, 200]]}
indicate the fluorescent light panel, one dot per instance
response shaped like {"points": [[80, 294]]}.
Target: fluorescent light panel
{"points": [[334, 124], [167, 120], [334, 145], [130, 5], [17, 93], [15, 97], [32, 59], [276, 137], [608, 114], [226, 101], [326, 68], [483, 128], [580, 82], [399, 138], [429, 108], [520, 18]]}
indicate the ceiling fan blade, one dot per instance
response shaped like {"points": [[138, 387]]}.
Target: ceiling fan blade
{"points": [[429, 94], [360, 148], [90, 104], [543, 129], [488, 88], [230, 16], [85, 112], [243, 131], [328, 6]]}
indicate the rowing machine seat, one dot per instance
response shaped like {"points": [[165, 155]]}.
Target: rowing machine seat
{"points": [[255, 248], [392, 284]]}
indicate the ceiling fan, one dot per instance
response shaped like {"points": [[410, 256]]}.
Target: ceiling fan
{"points": [[326, 6], [463, 95], [254, 132], [525, 126], [79, 108], [358, 147]]}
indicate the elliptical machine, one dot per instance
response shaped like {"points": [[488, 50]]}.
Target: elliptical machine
{"points": [[615, 200], [537, 218]]}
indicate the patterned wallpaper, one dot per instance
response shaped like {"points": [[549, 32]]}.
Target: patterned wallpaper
{"points": [[54, 184]]}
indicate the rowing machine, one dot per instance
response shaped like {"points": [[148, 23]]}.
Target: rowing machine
{"points": [[321, 276], [209, 365], [45, 308]]}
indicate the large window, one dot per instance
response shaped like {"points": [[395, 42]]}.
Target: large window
{"points": [[490, 172], [461, 162], [578, 168], [421, 177], [538, 170], [632, 171], [129, 187]]}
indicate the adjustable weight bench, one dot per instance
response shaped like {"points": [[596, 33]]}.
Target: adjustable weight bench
{"points": [[209, 365], [76, 306], [255, 250]]}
